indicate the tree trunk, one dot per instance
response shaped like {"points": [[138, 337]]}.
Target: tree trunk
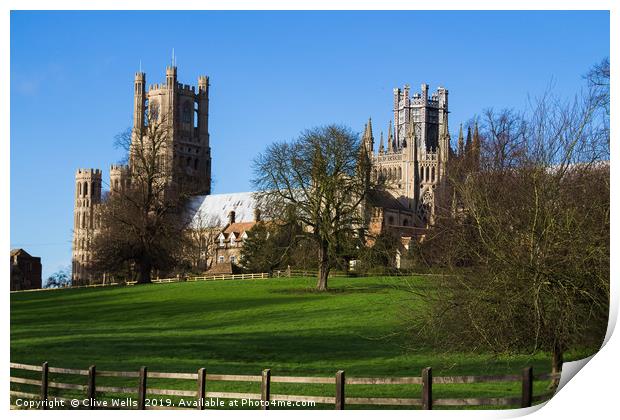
{"points": [[321, 284], [557, 359], [145, 271]]}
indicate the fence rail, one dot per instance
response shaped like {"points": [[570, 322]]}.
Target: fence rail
{"points": [[339, 399]]}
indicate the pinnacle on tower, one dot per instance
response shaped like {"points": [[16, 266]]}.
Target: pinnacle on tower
{"points": [[368, 139], [476, 147], [445, 132], [461, 145], [381, 148], [468, 141]]}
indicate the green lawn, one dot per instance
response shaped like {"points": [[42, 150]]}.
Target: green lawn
{"points": [[244, 326]]}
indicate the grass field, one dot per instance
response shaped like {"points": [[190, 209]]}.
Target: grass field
{"points": [[244, 326]]}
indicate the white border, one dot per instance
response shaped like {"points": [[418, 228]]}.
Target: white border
{"points": [[592, 395]]}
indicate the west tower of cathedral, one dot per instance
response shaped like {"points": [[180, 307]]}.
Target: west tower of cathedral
{"points": [[184, 112]]}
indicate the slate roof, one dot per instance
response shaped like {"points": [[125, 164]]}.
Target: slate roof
{"points": [[385, 200], [214, 209]]}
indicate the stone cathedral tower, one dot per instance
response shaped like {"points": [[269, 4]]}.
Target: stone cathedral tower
{"points": [[417, 152], [184, 109], [85, 222]]}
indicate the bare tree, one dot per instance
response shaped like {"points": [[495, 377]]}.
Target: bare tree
{"points": [[201, 236], [598, 82], [323, 178], [142, 223], [529, 249]]}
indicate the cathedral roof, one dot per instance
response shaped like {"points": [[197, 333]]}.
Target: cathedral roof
{"points": [[385, 200], [213, 210]]}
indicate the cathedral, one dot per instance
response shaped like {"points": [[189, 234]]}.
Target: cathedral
{"points": [[411, 158]]}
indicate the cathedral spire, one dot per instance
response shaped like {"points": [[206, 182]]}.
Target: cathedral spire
{"points": [[461, 144], [381, 147], [444, 141], [368, 141], [468, 141], [475, 147]]}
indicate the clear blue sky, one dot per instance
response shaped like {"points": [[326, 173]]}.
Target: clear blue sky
{"points": [[272, 75]]}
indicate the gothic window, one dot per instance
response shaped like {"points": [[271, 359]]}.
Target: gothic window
{"points": [[433, 174], [195, 164], [189, 161], [427, 177], [85, 189], [153, 111], [187, 112], [79, 186], [195, 114], [400, 173]]}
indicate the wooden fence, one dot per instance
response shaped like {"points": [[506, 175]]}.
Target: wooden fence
{"points": [[91, 391], [215, 277]]}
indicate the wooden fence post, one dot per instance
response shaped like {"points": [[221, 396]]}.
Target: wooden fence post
{"points": [[527, 378], [142, 389], [44, 383], [265, 389], [91, 390], [427, 388], [340, 380], [202, 386]]}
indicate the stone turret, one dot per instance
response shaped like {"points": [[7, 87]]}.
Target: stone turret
{"points": [[85, 223], [139, 101], [119, 178], [368, 140], [475, 149]]}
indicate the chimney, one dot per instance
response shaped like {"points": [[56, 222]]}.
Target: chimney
{"points": [[257, 215], [231, 217]]}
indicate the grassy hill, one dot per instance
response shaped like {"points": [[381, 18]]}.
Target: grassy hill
{"points": [[241, 327]]}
